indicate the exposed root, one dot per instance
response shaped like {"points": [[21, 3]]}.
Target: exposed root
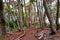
{"points": [[22, 34]]}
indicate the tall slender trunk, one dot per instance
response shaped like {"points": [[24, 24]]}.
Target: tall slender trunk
{"points": [[53, 29], [29, 19], [2, 20], [57, 15], [39, 15], [34, 14], [20, 15]]}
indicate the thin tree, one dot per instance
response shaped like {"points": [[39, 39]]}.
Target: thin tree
{"points": [[39, 14], [20, 14], [2, 20], [32, 3], [57, 15]]}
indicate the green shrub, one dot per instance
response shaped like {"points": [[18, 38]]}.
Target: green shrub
{"points": [[36, 23]]}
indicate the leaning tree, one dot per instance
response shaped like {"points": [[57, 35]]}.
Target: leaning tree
{"points": [[47, 11]]}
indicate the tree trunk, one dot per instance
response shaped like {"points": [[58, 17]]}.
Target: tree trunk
{"points": [[39, 15], [20, 15], [34, 14], [2, 20], [53, 29], [29, 11], [57, 15]]}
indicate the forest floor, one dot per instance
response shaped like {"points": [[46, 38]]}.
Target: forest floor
{"points": [[31, 34]]}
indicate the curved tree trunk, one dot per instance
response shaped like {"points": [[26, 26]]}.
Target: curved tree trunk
{"points": [[2, 20]]}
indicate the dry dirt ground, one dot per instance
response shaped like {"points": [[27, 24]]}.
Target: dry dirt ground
{"points": [[30, 34]]}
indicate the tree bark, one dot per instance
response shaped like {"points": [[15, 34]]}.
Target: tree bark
{"points": [[29, 11], [57, 15], [2, 20], [40, 15], [20, 15], [53, 29]]}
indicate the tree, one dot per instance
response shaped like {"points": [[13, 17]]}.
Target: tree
{"points": [[49, 1], [40, 15], [20, 8], [31, 8], [53, 29], [2, 20], [57, 15]]}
